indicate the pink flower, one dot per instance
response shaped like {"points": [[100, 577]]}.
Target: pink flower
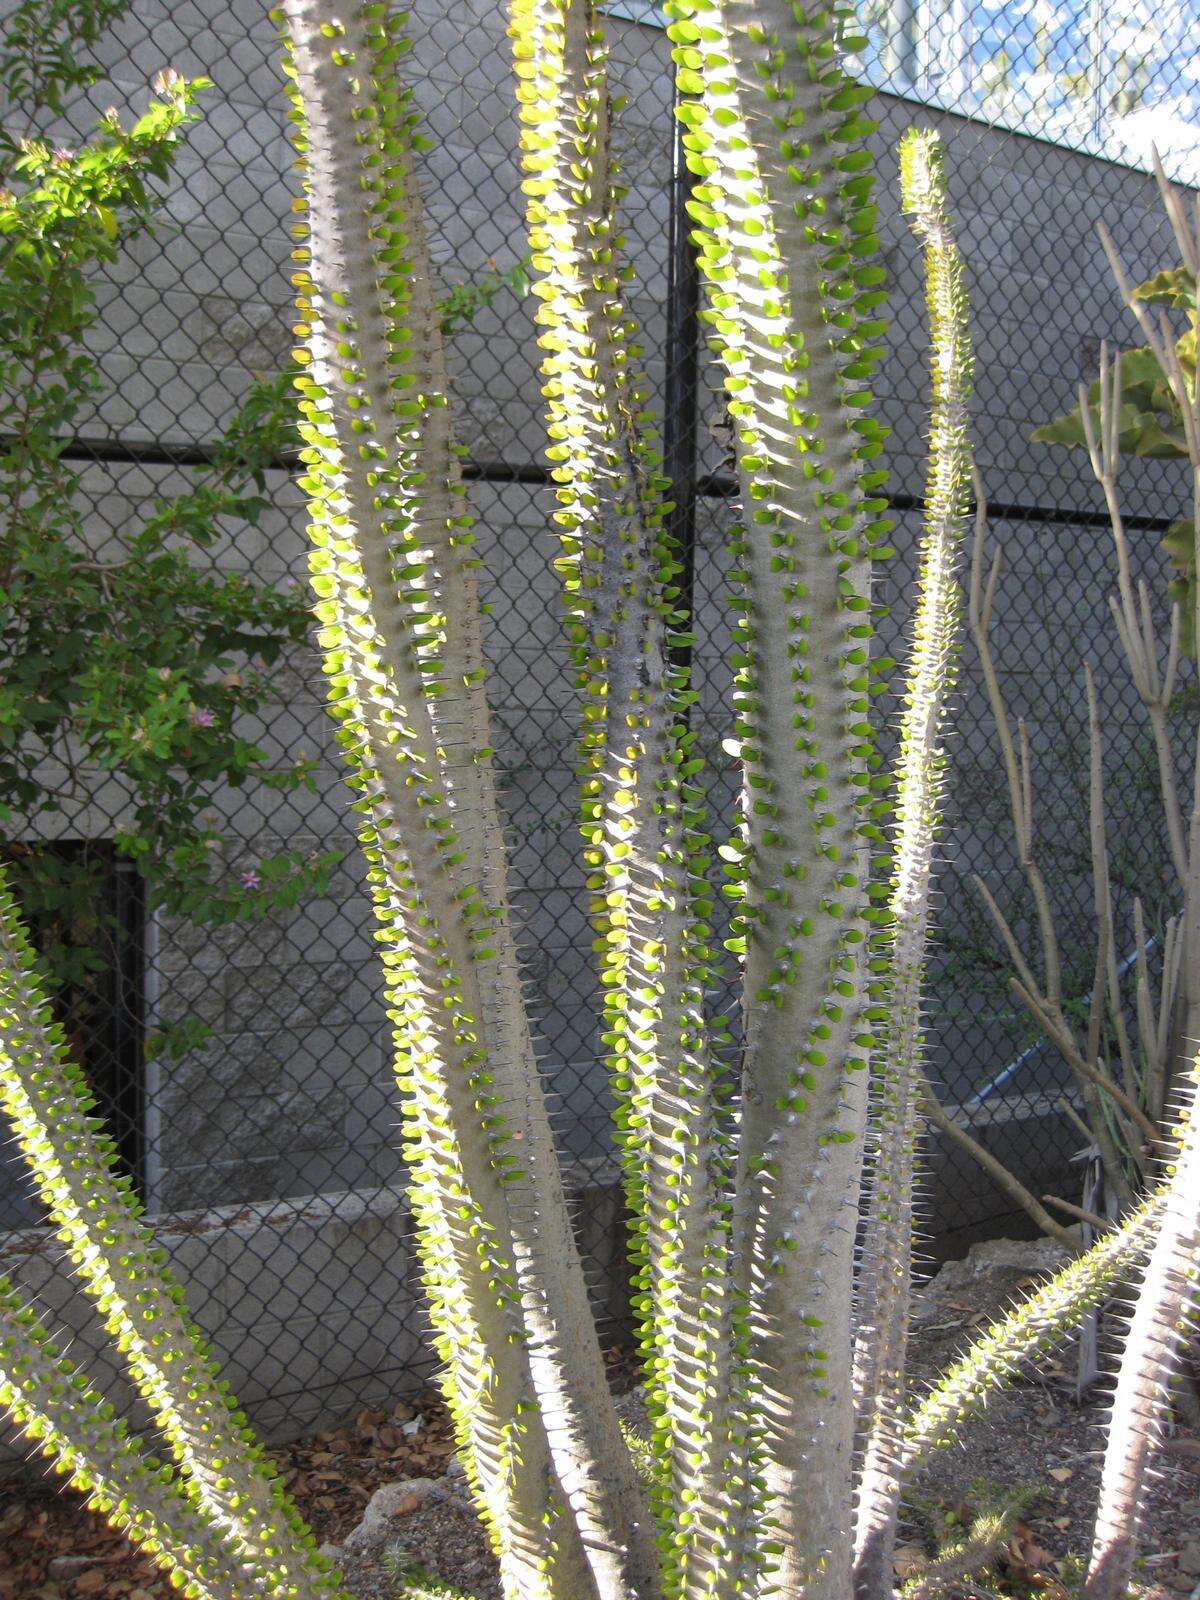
{"points": [[251, 879], [63, 153], [201, 717]]}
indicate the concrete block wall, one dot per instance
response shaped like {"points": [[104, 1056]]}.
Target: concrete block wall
{"points": [[292, 1097]]}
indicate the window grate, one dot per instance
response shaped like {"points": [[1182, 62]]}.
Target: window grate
{"points": [[100, 998]]}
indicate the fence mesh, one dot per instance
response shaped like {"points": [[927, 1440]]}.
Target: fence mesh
{"points": [[244, 1060]]}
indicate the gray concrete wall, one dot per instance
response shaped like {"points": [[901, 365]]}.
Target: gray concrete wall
{"points": [[292, 1096]]}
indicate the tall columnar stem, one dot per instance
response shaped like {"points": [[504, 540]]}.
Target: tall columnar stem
{"points": [[643, 851], [783, 227], [392, 570], [887, 1265], [588, 1452], [97, 1219]]}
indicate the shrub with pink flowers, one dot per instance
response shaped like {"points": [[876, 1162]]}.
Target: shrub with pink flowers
{"points": [[145, 662]]}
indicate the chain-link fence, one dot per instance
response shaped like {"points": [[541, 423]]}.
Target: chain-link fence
{"points": [[243, 1057]]}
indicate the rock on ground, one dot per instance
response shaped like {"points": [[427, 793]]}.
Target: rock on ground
{"points": [[413, 1526]]}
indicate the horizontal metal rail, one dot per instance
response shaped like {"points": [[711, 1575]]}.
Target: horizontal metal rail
{"points": [[710, 485]]}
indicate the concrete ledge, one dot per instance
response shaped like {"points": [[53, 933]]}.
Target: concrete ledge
{"points": [[313, 1307]]}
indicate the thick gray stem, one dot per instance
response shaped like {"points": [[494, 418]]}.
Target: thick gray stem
{"points": [[503, 1274], [639, 817], [779, 233]]}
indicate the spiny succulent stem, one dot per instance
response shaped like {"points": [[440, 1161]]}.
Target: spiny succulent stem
{"points": [[882, 1337], [74, 1165], [978, 1546], [392, 572], [1031, 1328], [640, 818], [1164, 1313], [57, 1407], [783, 229]]}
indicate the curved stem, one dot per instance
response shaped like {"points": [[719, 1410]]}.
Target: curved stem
{"points": [[52, 1401], [882, 1335], [523, 1372], [1163, 1315], [74, 1166], [1033, 1326], [932, 1108]]}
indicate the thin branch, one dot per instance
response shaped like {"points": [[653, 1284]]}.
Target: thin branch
{"points": [[1100, 1224], [932, 1108]]}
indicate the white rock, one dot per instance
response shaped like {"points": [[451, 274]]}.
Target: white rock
{"points": [[67, 1566], [1003, 1260], [386, 1511]]}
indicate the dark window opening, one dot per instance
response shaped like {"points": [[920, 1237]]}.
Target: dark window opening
{"points": [[84, 909]]}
